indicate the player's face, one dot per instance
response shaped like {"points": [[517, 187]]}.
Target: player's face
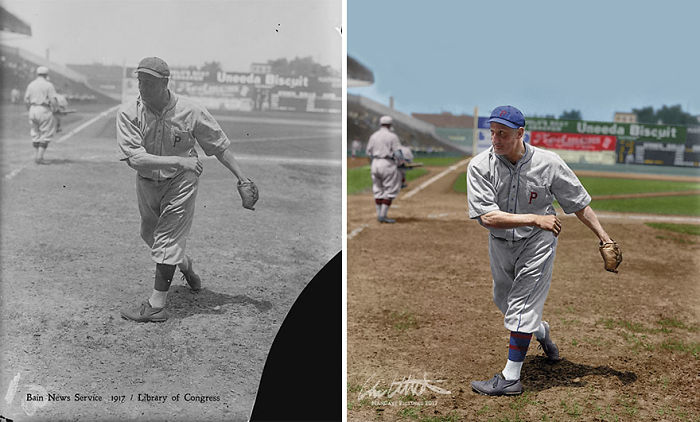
{"points": [[151, 88], [505, 140]]}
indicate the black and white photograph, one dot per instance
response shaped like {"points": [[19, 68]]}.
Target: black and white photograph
{"points": [[171, 193]]}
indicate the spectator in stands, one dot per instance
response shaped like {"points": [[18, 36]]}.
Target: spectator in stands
{"points": [[15, 96], [40, 99]]}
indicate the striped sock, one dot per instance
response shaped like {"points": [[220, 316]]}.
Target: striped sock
{"points": [[519, 342], [517, 349]]}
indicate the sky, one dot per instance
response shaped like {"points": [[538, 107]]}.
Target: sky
{"points": [[235, 33], [543, 56]]}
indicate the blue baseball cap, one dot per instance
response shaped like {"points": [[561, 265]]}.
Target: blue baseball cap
{"points": [[508, 115]]}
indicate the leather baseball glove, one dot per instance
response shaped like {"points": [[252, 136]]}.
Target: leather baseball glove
{"points": [[612, 255], [248, 192]]}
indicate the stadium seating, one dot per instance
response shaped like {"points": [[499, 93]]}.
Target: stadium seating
{"points": [[16, 71]]}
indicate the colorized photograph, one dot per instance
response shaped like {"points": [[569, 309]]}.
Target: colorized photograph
{"points": [[523, 208]]}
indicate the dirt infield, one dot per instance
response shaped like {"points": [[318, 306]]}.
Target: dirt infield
{"points": [[419, 307], [72, 258]]}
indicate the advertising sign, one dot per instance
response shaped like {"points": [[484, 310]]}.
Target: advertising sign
{"points": [[248, 91], [633, 131], [573, 141]]}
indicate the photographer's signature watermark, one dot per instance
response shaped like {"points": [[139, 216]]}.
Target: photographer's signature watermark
{"points": [[405, 387]]}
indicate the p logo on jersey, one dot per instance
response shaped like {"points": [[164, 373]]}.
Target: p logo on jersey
{"points": [[533, 195], [176, 139]]}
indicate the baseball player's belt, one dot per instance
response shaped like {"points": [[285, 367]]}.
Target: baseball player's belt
{"points": [[506, 240]]}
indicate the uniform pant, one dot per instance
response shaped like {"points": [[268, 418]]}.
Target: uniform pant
{"points": [[42, 124], [386, 178], [522, 274], [167, 211]]}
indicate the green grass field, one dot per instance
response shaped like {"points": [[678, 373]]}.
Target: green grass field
{"points": [[360, 180], [674, 205]]}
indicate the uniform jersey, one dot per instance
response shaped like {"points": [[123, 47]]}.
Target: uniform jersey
{"points": [[386, 178], [407, 153], [526, 187], [61, 102], [173, 132], [40, 92], [382, 144]]}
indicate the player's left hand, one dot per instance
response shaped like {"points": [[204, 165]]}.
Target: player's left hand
{"points": [[249, 193], [612, 255]]}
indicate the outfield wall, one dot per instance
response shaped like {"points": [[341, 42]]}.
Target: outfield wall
{"points": [[250, 91]]}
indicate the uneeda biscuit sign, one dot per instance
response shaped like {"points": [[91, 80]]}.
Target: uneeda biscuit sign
{"points": [[625, 131]]}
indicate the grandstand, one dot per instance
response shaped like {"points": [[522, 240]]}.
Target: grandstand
{"points": [[18, 67], [106, 79], [363, 120], [364, 114]]}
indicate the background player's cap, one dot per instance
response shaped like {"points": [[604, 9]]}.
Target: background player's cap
{"points": [[154, 66], [42, 70], [508, 115], [385, 120]]}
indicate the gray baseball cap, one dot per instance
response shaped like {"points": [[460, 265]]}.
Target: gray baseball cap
{"points": [[154, 66]]}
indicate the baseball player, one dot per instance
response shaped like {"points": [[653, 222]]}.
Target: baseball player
{"points": [[355, 147], [383, 151], [61, 107], [15, 96], [510, 190], [156, 134], [40, 99], [403, 168]]}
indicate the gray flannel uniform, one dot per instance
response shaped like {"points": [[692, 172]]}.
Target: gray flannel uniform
{"points": [[522, 258]]}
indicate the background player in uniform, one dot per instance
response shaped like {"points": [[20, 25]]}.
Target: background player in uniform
{"points": [[61, 109], [383, 151], [407, 159], [40, 99], [156, 134], [355, 147], [15, 96], [510, 190]]}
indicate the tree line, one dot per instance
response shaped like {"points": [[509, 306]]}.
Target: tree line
{"points": [[666, 115]]}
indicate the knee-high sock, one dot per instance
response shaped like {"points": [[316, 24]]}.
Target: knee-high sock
{"points": [[384, 210], [161, 285], [517, 349], [540, 333]]}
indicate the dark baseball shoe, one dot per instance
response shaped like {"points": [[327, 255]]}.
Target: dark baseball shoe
{"points": [[498, 386], [192, 278], [145, 313], [547, 345], [387, 220]]}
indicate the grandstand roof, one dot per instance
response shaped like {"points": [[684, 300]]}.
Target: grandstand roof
{"points": [[359, 74], [11, 23], [446, 119]]}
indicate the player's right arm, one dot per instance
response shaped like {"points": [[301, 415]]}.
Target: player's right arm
{"points": [[481, 199], [503, 220], [130, 140]]}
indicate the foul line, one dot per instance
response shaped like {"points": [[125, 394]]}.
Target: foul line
{"points": [[668, 218], [357, 231], [292, 160], [435, 178], [72, 132], [279, 121], [280, 138]]}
